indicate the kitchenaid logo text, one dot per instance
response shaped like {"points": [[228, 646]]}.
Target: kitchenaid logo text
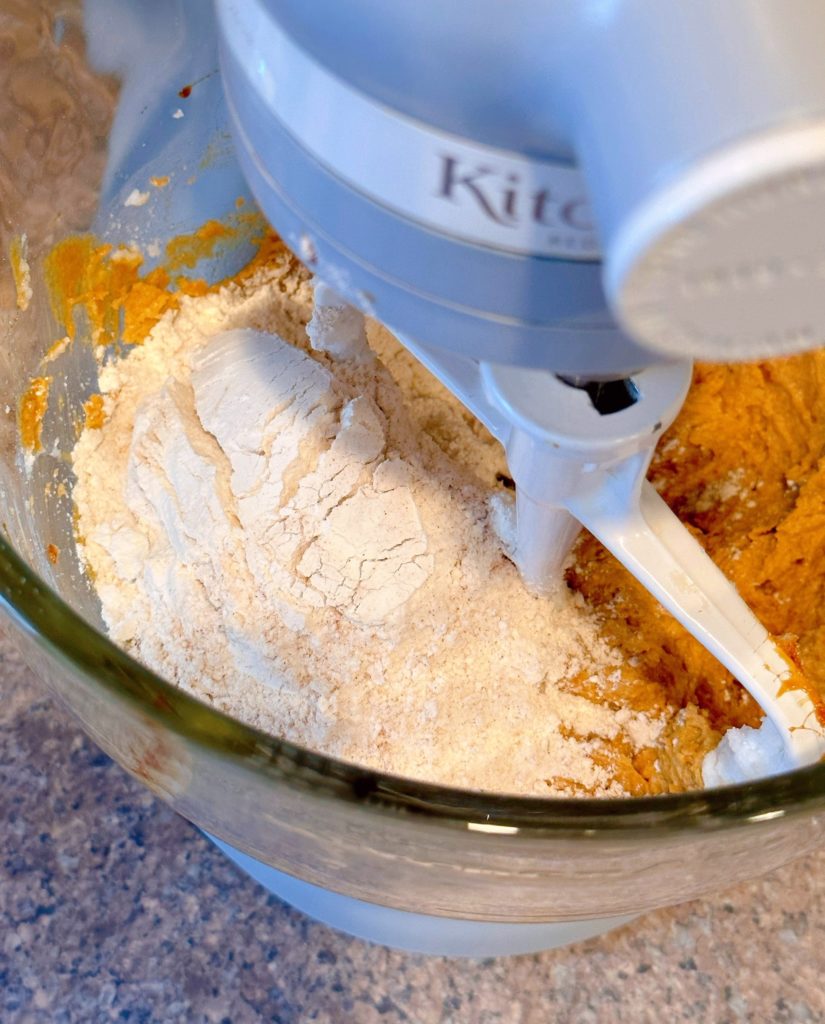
{"points": [[448, 183], [505, 199]]}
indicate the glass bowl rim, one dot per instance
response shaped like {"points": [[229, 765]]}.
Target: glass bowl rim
{"points": [[56, 628]]}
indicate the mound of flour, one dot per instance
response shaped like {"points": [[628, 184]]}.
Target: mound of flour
{"points": [[269, 527]]}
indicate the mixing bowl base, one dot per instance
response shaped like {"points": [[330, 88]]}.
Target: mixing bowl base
{"points": [[416, 933]]}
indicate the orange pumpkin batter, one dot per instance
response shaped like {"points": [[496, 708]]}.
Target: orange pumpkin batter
{"points": [[744, 468]]}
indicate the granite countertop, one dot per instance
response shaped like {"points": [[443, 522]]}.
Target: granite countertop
{"points": [[114, 908]]}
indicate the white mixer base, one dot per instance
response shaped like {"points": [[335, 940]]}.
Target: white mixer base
{"points": [[416, 933]]}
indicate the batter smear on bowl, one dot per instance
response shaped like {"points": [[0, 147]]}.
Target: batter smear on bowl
{"points": [[296, 526]]}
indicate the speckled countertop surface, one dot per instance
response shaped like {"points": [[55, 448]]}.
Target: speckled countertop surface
{"points": [[113, 908]]}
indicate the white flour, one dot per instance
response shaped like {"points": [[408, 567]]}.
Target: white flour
{"points": [[297, 539]]}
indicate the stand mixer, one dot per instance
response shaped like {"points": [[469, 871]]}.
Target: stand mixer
{"points": [[498, 317], [555, 207]]}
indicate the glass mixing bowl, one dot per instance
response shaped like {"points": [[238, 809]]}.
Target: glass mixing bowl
{"points": [[95, 100]]}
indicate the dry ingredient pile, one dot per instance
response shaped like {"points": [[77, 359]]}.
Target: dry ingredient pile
{"points": [[295, 526]]}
